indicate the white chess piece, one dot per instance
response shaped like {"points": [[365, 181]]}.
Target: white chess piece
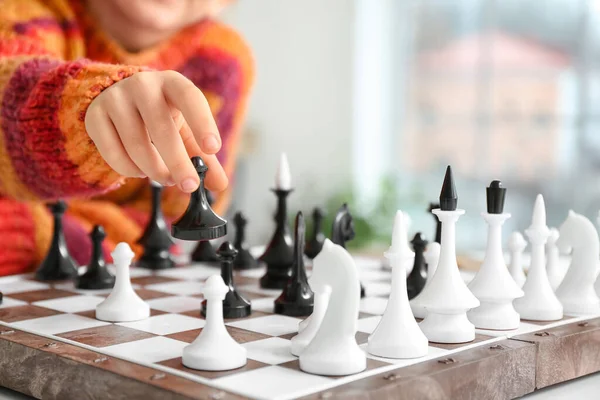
{"points": [[432, 258], [123, 304], [553, 267], [214, 349], [409, 261], [308, 330], [334, 350], [398, 334], [447, 298], [539, 303], [516, 247], [283, 177], [576, 292], [493, 285]]}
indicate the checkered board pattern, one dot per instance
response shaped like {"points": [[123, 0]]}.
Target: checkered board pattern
{"points": [[62, 313]]}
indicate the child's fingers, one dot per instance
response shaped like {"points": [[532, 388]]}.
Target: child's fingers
{"points": [[188, 99], [135, 139], [106, 139], [156, 114], [216, 178]]}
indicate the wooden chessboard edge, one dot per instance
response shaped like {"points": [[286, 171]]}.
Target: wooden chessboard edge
{"points": [[458, 375], [36, 366]]}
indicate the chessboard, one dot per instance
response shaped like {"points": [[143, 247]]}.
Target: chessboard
{"points": [[53, 347]]}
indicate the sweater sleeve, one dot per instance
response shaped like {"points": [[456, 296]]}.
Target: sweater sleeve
{"points": [[45, 152]]}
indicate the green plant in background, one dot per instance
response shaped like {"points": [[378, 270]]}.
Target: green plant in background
{"points": [[373, 226]]}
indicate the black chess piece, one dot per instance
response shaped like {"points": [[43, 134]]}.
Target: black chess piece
{"points": [[297, 298], [234, 304], [205, 253], [97, 275], [58, 264], [199, 222], [448, 195], [156, 239], [315, 243], [418, 276], [438, 223], [496, 195], [244, 259], [343, 231], [279, 255]]}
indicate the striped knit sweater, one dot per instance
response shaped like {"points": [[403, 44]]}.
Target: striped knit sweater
{"points": [[54, 61]]}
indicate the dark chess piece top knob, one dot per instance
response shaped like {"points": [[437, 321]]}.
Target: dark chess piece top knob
{"points": [[244, 259], [448, 196], [58, 264], [315, 244], [199, 222], [418, 276], [96, 275], [234, 304], [496, 195], [297, 298]]}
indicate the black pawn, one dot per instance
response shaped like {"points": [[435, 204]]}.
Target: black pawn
{"points": [[496, 195], [205, 252], [156, 239], [315, 244], [234, 304], [58, 264], [342, 231], [279, 254], [448, 196], [97, 275], [243, 260], [438, 223], [199, 222], [297, 299], [418, 276]]}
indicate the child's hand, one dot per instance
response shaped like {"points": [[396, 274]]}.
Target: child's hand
{"points": [[150, 124]]}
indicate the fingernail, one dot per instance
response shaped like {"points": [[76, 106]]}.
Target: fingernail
{"points": [[170, 182], [210, 144], [189, 185]]}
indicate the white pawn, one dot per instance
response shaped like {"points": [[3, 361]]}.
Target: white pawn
{"points": [[516, 247], [334, 350], [539, 303], [308, 328], [214, 349], [576, 292], [398, 335], [123, 304], [553, 268], [432, 258], [409, 261], [493, 285]]}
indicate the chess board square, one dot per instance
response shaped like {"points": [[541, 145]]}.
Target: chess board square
{"points": [[106, 335], [251, 295], [272, 351], [239, 335], [92, 313], [479, 338], [134, 272], [146, 294], [70, 287], [256, 273], [364, 263], [361, 337], [151, 350], [151, 280], [176, 363], [373, 305], [165, 324], [71, 304], [175, 304], [264, 304], [432, 352], [274, 325], [368, 325], [371, 365], [44, 294], [24, 312], [16, 284], [253, 288], [196, 271], [58, 324], [272, 382], [180, 288], [372, 275], [9, 302]]}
